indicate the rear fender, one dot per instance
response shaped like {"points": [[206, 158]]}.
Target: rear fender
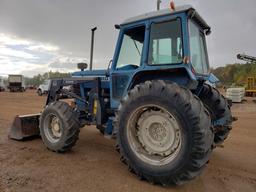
{"points": [[181, 76], [213, 79]]}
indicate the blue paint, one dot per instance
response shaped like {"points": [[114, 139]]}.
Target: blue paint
{"points": [[109, 127], [93, 73], [213, 79]]}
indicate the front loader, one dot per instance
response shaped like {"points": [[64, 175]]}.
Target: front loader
{"points": [[153, 99]]}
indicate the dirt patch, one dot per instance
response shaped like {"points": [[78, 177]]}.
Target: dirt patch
{"points": [[93, 164]]}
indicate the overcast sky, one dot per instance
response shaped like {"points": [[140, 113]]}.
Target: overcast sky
{"points": [[41, 35]]}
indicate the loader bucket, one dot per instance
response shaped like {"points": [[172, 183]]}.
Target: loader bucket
{"points": [[24, 126]]}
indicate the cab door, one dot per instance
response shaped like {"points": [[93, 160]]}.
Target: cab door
{"points": [[127, 60]]}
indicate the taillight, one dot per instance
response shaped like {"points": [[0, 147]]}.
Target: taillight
{"points": [[172, 6], [186, 60]]}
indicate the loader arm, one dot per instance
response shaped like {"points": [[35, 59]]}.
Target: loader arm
{"points": [[25, 126]]}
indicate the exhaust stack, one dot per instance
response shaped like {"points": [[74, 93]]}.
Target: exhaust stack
{"points": [[92, 46]]}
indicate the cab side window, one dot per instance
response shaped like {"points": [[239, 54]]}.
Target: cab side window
{"points": [[165, 43]]}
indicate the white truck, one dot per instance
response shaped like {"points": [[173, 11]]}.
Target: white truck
{"points": [[16, 83], [2, 85], [43, 88]]}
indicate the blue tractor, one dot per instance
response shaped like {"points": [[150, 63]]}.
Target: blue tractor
{"points": [[154, 98]]}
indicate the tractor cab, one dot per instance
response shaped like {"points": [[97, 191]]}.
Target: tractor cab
{"points": [[168, 44]]}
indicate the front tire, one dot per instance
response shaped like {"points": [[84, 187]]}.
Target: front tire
{"points": [[39, 92], [164, 133], [59, 127]]}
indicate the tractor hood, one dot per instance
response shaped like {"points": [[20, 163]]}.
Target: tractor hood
{"points": [[93, 73]]}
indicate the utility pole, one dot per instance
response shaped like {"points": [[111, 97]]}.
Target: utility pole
{"points": [[92, 46], [158, 4]]}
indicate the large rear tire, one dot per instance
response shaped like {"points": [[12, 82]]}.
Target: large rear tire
{"points": [[164, 133], [59, 127], [220, 112]]}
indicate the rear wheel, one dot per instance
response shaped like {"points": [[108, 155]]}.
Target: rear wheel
{"points": [[220, 112], [59, 127], [164, 133]]}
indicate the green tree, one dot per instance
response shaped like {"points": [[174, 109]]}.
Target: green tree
{"points": [[39, 79], [235, 74]]}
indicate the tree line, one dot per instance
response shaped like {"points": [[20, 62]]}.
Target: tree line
{"points": [[235, 74], [39, 79]]}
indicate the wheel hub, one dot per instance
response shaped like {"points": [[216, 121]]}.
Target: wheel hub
{"points": [[55, 127], [158, 133]]}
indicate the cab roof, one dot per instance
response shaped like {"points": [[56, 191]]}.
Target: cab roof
{"points": [[179, 9]]}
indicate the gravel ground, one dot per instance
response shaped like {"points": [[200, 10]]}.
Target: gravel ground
{"points": [[93, 164]]}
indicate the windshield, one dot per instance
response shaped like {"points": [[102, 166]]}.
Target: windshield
{"points": [[131, 49], [198, 51], [165, 43]]}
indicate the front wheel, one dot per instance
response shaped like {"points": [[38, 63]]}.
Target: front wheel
{"points": [[39, 92], [164, 133], [59, 127]]}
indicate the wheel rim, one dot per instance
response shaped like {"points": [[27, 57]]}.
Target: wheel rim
{"points": [[52, 128], [154, 135]]}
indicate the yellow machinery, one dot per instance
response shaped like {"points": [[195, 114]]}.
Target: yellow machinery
{"points": [[251, 86], [251, 81]]}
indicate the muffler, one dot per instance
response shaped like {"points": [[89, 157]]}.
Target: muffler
{"points": [[24, 126]]}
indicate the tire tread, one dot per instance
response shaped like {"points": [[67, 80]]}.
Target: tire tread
{"points": [[202, 133]]}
